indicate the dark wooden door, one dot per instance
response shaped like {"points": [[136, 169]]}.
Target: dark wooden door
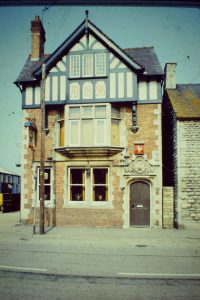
{"points": [[139, 204]]}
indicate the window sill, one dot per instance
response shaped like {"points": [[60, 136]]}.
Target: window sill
{"points": [[88, 204], [97, 151], [88, 77]]}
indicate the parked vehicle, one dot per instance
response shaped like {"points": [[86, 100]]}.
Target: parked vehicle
{"points": [[9, 202]]}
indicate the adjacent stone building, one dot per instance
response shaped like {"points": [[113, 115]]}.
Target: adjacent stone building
{"points": [[103, 144], [181, 148]]}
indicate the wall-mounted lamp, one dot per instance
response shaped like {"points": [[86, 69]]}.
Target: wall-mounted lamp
{"points": [[134, 129], [46, 130], [30, 124]]}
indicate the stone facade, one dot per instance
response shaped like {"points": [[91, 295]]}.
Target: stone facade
{"points": [[168, 207], [188, 173], [181, 146]]}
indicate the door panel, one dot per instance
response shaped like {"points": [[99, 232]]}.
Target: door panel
{"points": [[139, 204]]}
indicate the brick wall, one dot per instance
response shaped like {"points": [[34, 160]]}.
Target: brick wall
{"points": [[111, 215], [148, 128]]}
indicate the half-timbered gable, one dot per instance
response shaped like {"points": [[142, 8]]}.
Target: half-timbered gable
{"points": [[90, 67]]}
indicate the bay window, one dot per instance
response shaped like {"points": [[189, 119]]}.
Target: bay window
{"points": [[93, 125], [115, 126], [88, 125]]}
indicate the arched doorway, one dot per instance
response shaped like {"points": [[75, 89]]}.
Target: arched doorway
{"points": [[139, 204]]}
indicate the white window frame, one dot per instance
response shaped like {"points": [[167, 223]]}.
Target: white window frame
{"points": [[79, 132], [85, 58], [78, 65], [104, 143], [107, 126], [97, 73], [75, 69]]}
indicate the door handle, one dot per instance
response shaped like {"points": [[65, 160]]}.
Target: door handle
{"points": [[132, 206]]}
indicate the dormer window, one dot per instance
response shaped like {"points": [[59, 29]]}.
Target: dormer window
{"points": [[87, 65]]}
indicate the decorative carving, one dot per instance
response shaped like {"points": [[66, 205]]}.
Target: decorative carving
{"points": [[140, 166]]}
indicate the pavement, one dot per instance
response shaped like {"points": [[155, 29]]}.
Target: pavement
{"points": [[10, 225], [97, 263], [133, 252]]}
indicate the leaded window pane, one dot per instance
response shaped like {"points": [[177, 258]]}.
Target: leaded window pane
{"points": [[100, 64], [87, 65]]}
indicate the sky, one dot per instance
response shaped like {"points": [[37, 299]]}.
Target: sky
{"points": [[174, 32]]}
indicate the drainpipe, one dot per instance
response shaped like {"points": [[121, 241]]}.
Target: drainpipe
{"points": [[34, 212]]}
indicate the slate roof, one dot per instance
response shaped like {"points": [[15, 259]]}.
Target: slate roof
{"points": [[146, 57], [185, 101], [26, 74]]}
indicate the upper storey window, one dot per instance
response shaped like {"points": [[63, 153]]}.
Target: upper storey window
{"points": [[88, 65], [75, 66], [100, 64]]}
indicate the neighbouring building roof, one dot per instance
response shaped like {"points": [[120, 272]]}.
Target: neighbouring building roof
{"points": [[141, 59], [6, 171], [185, 101]]}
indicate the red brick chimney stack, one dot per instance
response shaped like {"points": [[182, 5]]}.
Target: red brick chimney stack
{"points": [[38, 39]]}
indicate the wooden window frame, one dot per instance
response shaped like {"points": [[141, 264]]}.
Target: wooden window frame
{"points": [[83, 185]]}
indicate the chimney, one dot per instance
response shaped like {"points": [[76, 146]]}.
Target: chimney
{"points": [[38, 39], [170, 75]]}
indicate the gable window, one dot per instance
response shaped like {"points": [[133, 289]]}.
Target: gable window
{"points": [[75, 66], [87, 65], [100, 64]]}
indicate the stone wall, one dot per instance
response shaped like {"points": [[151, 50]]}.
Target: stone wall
{"points": [[189, 172], [168, 207]]}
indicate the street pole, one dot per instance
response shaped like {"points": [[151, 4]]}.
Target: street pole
{"points": [[42, 150]]}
